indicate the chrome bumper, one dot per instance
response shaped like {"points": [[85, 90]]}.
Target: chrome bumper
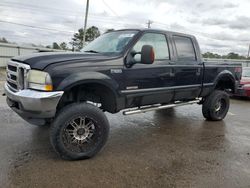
{"points": [[31, 104]]}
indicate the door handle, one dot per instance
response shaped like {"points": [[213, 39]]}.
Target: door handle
{"points": [[165, 75]]}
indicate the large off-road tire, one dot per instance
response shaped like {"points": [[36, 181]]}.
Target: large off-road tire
{"points": [[79, 131], [216, 105]]}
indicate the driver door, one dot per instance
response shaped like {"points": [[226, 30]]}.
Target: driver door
{"points": [[148, 83]]}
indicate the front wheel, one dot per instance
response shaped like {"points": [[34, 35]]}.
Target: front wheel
{"points": [[79, 131], [216, 105]]}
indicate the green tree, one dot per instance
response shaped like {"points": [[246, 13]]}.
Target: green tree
{"points": [[64, 46], [233, 55], [55, 46], [211, 55], [3, 40], [77, 40]]}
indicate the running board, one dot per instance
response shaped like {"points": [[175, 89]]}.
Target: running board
{"points": [[157, 107]]}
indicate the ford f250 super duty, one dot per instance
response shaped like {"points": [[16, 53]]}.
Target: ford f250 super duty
{"points": [[131, 70]]}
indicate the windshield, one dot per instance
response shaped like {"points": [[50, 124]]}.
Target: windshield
{"points": [[113, 42], [246, 73]]}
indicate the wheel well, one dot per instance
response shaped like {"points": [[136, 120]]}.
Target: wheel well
{"points": [[225, 83], [91, 92]]}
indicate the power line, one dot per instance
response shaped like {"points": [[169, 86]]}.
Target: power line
{"points": [[114, 12], [35, 27], [97, 16], [30, 6], [52, 11], [248, 54]]}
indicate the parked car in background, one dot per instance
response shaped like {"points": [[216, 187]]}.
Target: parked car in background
{"points": [[244, 87]]}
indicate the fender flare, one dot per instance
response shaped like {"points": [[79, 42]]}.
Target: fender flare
{"points": [[225, 74], [88, 77]]}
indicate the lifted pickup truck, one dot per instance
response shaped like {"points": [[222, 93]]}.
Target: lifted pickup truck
{"points": [[131, 70]]}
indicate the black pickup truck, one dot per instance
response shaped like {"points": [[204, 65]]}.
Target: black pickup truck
{"points": [[131, 70]]}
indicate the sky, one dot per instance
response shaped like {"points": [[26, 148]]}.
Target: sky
{"points": [[221, 26]]}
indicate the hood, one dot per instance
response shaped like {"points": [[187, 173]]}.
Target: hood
{"points": [[245, 80], [43, 59]]}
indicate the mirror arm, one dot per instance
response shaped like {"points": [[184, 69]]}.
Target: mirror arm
{"points": [[133, 53], [129, 63]]}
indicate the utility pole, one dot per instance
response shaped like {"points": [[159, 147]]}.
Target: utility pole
{"points": [[248, 54], [149, 23], [85, 22]]}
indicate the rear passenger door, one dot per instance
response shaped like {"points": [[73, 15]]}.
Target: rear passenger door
{"points": [[188, 70]]}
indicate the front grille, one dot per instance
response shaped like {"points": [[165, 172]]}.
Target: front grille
{"points": [[12, 85], [12, 68], [16, 75]]}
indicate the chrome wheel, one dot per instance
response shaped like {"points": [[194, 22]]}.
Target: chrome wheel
{"points": [[217, 106], [79, 134], [220, 106]]}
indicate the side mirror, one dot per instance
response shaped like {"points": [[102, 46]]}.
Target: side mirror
{"points": [[147, 54]]}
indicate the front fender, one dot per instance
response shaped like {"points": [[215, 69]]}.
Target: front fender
{"points": [[87, 77]]}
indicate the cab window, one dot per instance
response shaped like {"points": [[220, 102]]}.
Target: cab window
{"points": [[157, 41], [185, 48]]}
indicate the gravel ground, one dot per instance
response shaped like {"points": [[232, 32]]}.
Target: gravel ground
{"points": [[2, 78]]}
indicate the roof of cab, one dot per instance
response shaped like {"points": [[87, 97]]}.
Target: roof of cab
{"points": [[156, 30]]}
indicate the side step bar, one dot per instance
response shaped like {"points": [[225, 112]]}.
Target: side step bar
{"points": [[158, 107]]}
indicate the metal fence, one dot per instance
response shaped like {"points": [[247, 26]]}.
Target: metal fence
{"points": [[245, 63], [8, 51]]}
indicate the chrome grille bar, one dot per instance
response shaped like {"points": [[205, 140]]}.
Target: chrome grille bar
{"points": [[17, 76]]}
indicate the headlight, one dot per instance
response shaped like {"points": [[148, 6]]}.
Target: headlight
{"points": [[39, 80]]}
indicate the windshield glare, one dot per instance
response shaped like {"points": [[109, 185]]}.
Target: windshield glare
{"points": [[246, 73], [113, 42]]}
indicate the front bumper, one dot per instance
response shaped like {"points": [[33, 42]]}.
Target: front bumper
{"points": [[31, 104]]}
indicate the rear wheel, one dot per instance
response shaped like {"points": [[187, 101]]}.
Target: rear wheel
{"points": [[216, 105], [79, 131]]}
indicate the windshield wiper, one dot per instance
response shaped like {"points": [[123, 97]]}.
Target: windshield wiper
{"points": [[91, 51]]}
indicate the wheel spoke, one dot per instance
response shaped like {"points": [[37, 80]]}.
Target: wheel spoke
{"points": [[82, 121], [72, 139], [89, 125], [74, 124], [70, 132], [88, 140]]}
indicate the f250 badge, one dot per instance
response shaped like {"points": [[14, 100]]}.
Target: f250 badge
{"points": [[116, 71]]}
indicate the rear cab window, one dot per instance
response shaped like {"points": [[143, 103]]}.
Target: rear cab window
{"points": [[184, 48]]}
